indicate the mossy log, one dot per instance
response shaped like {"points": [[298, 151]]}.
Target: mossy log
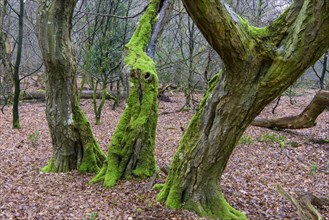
{"points": [[304, 203], [306, 119]]}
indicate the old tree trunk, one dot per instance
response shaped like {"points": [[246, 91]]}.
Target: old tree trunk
{"points": [[260, 63], [74, 145], [131, 151]]}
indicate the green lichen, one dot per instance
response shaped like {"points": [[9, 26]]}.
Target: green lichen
{"points": [[131, 151]]}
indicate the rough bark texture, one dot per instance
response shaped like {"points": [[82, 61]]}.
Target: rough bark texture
{"points": [[260, 63], [74, 145], [306, 119], [6, 71], [131, 151]]}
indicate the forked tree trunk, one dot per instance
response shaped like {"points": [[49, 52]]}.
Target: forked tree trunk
{"points": [[260, 63], [306, 119], [74, 145], [131, 151]]}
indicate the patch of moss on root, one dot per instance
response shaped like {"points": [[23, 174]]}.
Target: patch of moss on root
{"points": [[50, 167]]}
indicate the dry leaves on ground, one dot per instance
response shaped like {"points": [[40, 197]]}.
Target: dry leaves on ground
{"points": [[298, 162]]}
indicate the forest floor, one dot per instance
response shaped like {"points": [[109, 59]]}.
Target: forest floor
{"points": [[295, 159]]}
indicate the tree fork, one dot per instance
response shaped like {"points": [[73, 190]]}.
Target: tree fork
{"points": [[259, 64]]}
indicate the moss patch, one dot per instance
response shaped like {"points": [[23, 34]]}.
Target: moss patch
{"points": [[93, 156], [253, 31], [50, 168]]}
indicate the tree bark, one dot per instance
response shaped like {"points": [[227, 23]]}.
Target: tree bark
{"points": [[74, 145], [6, 71], [131, 151], [16, 123], [259, 64], [306, 119]]}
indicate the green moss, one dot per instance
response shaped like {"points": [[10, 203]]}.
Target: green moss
{"points": [[131, 151], [214, 207], [50, 168], [253, 31], [158, 186], [93, 156], [174, 199], [136, 57], [100, 176]]}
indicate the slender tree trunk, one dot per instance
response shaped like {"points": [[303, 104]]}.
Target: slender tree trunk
{"points": [[260, 63], [16, 123], [131, 151], [74, 145], [324, 69]]}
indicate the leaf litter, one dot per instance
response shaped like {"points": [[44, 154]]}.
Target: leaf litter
{"points": [[249, 182]]}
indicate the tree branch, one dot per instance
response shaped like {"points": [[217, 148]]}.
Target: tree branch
{"points": [[220, 28], [305, 119]]}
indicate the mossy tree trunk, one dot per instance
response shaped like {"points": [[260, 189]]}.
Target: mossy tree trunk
{"points": [[131, 151], [260, 63], [74, 145]]}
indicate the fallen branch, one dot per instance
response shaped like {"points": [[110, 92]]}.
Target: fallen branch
{"points": [[306, 119], [162, 89], [304, 204]]}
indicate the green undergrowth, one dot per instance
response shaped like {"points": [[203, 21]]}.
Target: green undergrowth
{"points": [[273, 138], [246, 140]]}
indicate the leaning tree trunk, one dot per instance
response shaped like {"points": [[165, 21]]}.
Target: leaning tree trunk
{"points": [[74, 145], [131, 151], [260, 63], [306, 119]]}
